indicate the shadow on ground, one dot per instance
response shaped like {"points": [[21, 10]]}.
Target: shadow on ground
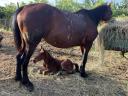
{"points": [[66, 85]]}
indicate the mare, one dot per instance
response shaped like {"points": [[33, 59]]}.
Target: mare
{"points": [[33, 22]]}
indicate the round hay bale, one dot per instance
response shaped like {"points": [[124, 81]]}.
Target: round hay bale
{"points": [[115, 36]]}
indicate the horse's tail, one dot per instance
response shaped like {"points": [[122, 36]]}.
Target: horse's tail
{"points": [[16, 30], [101, 47], [76, 67]]}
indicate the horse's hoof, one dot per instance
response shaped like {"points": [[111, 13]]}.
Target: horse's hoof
{"points": [[28, 85], [83, 74]]}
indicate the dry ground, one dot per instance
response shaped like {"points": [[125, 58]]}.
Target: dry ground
{"points": [[110, 79]]}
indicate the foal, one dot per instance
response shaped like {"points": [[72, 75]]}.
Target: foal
{"points": [[53, 65]]}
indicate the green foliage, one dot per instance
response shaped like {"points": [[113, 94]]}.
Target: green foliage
{"points": [[87, 4], [9, 10], [119, 9], [41, 1], [71, 5], [2, 14], [98, 3]]}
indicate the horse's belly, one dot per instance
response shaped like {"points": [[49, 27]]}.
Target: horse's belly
{"points": [[62, 43]]}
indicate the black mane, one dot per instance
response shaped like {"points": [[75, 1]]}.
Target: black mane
{"points": [[95, 14]]}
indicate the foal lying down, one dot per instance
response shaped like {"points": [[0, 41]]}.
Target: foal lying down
{"points": [[53, 65]]}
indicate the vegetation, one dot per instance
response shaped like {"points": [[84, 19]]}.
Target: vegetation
{"points": [[119, 9]]}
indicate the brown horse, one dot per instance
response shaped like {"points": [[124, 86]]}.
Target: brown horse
{"points": [[61, 29], [53, 65]]}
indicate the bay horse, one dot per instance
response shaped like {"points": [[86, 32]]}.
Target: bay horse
{"points": [[54, 65], [33, 22]]}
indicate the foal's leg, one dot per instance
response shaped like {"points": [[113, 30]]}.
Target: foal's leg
{"points": [[20, 56], [82, 67], [82, 49]]}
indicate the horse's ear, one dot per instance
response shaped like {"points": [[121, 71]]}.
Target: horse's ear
{"points": [[110, 4]]}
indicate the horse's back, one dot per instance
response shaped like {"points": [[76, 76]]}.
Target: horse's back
{"points": [[36, 18], [69, 30]]}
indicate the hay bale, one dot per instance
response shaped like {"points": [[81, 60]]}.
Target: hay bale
{"points": [[115, 35]]}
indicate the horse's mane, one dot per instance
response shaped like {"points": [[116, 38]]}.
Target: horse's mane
{"points": [[94, 13]]}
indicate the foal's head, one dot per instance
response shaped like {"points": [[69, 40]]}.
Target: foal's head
{"points": [[43, 55]]}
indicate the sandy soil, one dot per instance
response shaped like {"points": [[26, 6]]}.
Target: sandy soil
{"points": [[110, 79]]}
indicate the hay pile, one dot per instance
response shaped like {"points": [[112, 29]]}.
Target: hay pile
{"points": [[114, 35]]}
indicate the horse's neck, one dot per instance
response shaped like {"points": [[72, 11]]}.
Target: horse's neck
{"points": [[95, 16], [49, 60], [92, 14]]}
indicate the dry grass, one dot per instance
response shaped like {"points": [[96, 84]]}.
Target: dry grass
{"points": [[110, 79]]}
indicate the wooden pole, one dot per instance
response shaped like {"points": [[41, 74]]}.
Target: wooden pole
{"points": [[18, 5]]}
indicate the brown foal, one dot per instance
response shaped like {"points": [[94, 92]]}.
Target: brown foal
{"points": [[53, 65]]}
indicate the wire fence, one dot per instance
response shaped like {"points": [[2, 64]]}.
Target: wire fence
{"points": [[5, 24]]}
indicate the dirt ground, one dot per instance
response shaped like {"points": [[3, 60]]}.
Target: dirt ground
{"points": [[110, 79]]}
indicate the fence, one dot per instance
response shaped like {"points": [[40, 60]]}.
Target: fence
{"points": [[5, 24]]}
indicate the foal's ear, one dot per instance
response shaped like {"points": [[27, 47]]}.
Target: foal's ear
{"points": [[41, 48]]}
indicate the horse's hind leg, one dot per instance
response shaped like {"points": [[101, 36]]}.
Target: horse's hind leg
{"points": [[82, 67], [20, 56], [25, 80]]}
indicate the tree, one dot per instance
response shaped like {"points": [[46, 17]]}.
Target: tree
{"points": [[121, 9], [2, 14], [70, 5], [41, 1], [9, 10], [87, 4]]}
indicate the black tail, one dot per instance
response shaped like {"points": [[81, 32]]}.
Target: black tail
{"points": [[16, 30], [76, 67]]}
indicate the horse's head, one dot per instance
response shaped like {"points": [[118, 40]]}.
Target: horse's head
{"points": [[43, 55], [106, 12]]}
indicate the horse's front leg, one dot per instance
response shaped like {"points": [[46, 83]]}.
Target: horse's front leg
{"points": [[82, 49], [85, 56]]}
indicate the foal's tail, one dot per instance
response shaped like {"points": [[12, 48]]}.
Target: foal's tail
{"points": [[16, 30]]}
